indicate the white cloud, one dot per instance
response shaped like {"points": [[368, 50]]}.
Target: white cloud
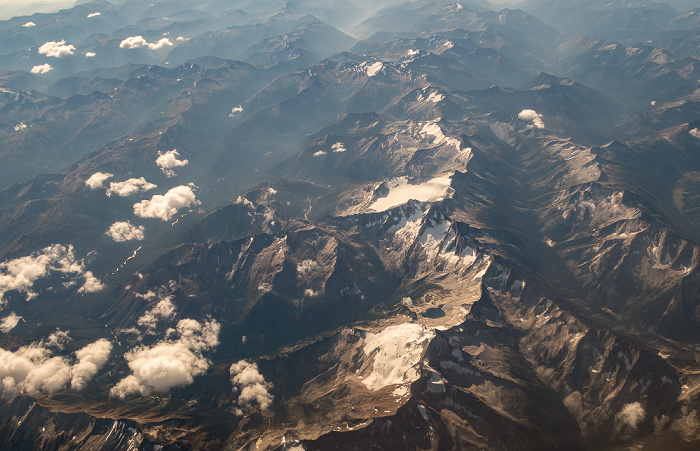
{"points": [[531, 116], [695, 132], [20, 126], [34, 369], [97, 179], [182, 39], [41, 69], [9, 322], [235, 111], [92, 284], [129, 187], [319, 153], [56, 49], [125, 231], [95, 14], [165, 42], [251, 387], [338, 147], [631, 414], [21, 273], [29, 25], [166, 206], [90, 54], [58, 339], [306, 267], [310, 293], [163, 310], [169, 363], [166, 161], [91, 359], [133, 42]]}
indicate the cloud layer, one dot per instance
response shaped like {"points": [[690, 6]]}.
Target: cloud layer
{"points": [[166, 206], [251, 387], [135, 42], [129, 187], [41, 69], [56, 49], [533, 117], [21, 273], [125, 231], [167, 161], [34, 368], [97, 180], [169, 363]]}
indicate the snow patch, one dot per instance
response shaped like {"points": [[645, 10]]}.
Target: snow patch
{"points": [[374, 68], [400, 192], [397, 352]]}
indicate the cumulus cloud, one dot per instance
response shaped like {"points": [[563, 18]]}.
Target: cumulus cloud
{"points": [[125, 231], [90, 54], [169, 363], [56, 49], [92, 284], [163, 310], [98, 179], [21, 273], [20, 126], [307, 267], [631, 414], [129, 187], [29, 25], [182, 39], [695, 132], [41, 69], [91, 359], [251, 387], [95, 14], [165, 42], [167, 161], [532, 116], [166, 206], [320, 153], [9, 322], [133, 42], [34, 369]]}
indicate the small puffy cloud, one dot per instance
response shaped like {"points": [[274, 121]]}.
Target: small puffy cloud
{"points": [[95, 14], [695, 132], [338, 148], [165, 42], [182, 39], [29, 25], [92, 284], [532, 116], [167, 161], [9, 322], [133, 42], [166, 206], [91, 359], [21, 273], [125, 231], [163, 310], [631, 414], [58, 339], [251, 387], [41, 69], [56, 49], [20, 126], [236, 111], [319, 153], [34, 369], [90, 54], [169, 363], [129, 187], [307, 267], [97, 179], [310, 293]]}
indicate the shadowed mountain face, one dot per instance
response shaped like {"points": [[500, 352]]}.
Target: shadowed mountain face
{"points": [[312, 225]]}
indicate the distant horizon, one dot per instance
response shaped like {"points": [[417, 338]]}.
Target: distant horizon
{"points": [[12, 8]]}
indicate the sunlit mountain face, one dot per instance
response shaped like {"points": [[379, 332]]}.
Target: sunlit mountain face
{"points": [[350, 225]]}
